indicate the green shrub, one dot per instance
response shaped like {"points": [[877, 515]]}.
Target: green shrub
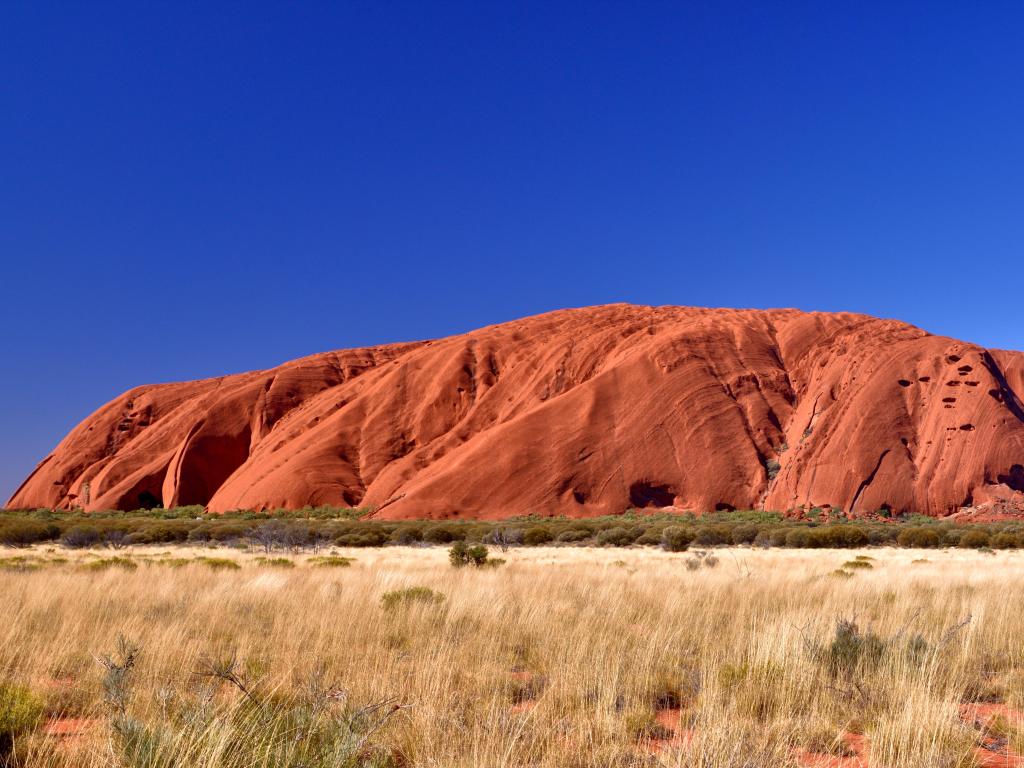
{"points": [[919, 537], [676, 538], [951, 536], [851, 648], [712, 535], [1004, 541], [365, 539], [744, 534], [162, 532], [407, 534], [650, 536], [479, 533], [461, 554], [617, 537], [574, 535], [24, 533], [20, 712], [778, 536], [169, 531], [839, 537], [200, 533], [537, 535], [228, 532], [799, 538], [882, 535], [443, 534], [973, 540], [408, 596]]}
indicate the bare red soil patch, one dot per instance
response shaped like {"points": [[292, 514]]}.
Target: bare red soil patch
{"points": [[527, 687], [982, 713], [70, 727], [670, 721], [855, 742], [994, 751], [988, 758]]}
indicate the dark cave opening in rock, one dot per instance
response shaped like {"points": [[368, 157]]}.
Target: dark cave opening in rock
{"points": [[149, 500], [1014, 478], [645, 494]]}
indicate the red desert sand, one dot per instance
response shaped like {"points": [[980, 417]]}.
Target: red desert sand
{"points": [[580, 413]]}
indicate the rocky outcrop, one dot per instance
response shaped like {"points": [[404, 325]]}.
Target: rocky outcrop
{"points": [[578, 412]]}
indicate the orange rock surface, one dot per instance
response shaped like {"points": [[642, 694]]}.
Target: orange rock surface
{"points": [[577, 412]]}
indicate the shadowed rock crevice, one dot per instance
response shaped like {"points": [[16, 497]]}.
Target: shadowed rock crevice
{"points": [[144, 493], [1014, 478], [867, 481], [1006, 395], [206, 462]]}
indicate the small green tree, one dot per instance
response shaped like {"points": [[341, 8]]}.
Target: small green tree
{"points": [[919, 537], [676, 538], [539, 534], [462, 554], [1004, 541], [974, 540]]}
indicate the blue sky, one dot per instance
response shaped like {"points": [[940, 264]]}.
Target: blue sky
{"points": [[191, 189]]}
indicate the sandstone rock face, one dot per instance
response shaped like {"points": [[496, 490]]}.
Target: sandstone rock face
{"points": [[579, 413]]}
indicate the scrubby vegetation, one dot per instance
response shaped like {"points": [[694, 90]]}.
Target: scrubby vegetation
{"points": [[314, 529]]}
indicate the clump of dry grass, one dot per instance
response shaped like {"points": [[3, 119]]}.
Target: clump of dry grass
{"points": [[396, 598], [276, 562], [330, 561], [558, 659], [125, 563], [858, 565]]}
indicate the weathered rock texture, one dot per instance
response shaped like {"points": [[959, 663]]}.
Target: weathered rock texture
{"points": [[579, 413]]}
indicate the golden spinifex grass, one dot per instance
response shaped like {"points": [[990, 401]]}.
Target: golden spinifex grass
{"points": [[560, 658]]}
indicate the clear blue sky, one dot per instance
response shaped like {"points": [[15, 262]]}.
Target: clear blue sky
{"points": [[191, 189]]}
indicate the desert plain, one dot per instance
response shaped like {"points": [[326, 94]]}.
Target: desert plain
{"points": [[560, 657]]}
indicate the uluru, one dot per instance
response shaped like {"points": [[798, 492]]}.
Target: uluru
{"points": [[580, 413]]}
